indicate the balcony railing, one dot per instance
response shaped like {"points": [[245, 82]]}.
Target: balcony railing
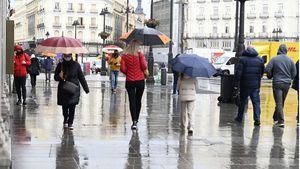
{"points": [[56, 10], [250, 35], [264, 15], [199, 35], [214, 17], [279, 14], [56, 25], [41, 25], [227, 0], [226, 16], [214, 35], [93, 26], [70, 10], [95, 11], [215, 0], [226, 35], [80, 11], [81, 26], [69, 25], [263, 34], [251, 15], [201, 1], [200, 17]]}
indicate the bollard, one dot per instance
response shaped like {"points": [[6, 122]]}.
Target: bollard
{"points": [[163, 76]]}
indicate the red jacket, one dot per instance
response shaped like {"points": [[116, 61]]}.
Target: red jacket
{"points": [[20, 68], [133, 66]]}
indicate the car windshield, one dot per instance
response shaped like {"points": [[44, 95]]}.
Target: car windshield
{"points": [[222, 60]]}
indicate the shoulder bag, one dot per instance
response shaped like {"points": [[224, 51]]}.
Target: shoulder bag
{"points": [[67, 86]]}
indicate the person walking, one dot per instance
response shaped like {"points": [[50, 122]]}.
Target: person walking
{"points": [[115, 63], [133, 65], [296, 87], [187, 94], [21, 62], [34, 70], [69, 70], [283, 70], [48, 63], [248, 74]]}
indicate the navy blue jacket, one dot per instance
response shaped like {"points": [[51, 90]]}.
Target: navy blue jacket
{"points": [[250, 69]]}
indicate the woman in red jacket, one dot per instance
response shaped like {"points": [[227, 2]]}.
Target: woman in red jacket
{"points": [[21, 61], [133, 65]]}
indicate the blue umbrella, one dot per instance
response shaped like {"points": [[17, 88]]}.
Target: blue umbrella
{"points": [[193, 65]]}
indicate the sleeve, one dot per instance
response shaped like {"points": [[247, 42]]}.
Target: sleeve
{"points": [[262, 69], [269, 69], [178, 84], [27, 60], [238, 73], [143, 62], [294, 70], [82, 80], [56, 73], [123, 67]]}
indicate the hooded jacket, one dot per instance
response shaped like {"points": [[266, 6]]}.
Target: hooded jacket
{"points": [[20, 69], [249, 70], [281, 68]]}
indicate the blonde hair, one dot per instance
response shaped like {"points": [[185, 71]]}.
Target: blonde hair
{"points": [[133, 47]]}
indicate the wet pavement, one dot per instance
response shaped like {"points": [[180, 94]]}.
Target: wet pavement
{"points": [[102, 137]]}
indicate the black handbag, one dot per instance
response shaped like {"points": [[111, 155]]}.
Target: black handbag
{"points": [[70, 87]]}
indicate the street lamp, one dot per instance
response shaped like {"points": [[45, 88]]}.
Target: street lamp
{"points": [[103, 12], [276, 31], [150, 78], [47, 34], [75, 24], [127, 11], [181, 4], [170, 54]]}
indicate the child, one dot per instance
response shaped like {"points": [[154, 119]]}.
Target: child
{"points": [[187, 94]]}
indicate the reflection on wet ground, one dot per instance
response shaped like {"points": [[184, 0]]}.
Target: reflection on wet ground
{"points": [[102, 137]]}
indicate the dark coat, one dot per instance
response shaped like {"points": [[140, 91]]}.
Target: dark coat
{"points": [[249, 70], [73, 73], [296, 80], [34, 68], [48, 63]]}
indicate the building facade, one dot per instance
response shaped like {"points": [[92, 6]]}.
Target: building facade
{"points": [[211, 23]]}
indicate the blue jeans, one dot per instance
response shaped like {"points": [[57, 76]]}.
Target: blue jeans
{"points": [[254, 96], [114, 79]]}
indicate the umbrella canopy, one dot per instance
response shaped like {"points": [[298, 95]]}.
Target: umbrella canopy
{"points": [[193, 65], [111, 48], [148, 36], [49, 54], [61, 45]]}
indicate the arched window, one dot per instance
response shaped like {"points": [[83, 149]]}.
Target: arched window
{"points": [[56, 33], [70, 34]]}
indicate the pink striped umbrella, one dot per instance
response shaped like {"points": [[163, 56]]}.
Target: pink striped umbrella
{"points": [[61, 45]]}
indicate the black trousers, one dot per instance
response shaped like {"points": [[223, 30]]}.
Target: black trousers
{"points": [[135, 90], [33, 80], [20, 83], [68, 113]]}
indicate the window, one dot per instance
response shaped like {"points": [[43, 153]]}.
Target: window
{"points": [[80, 35], [31, 25], [252, 8], [280, 7], [264, 28], [56, 33], [70, 6], [70, 20], [80, 20], [93, 7], [251, 28], [56, 19], [265, 8], [226, 29], [201, 11], [216, 11], [93, 36], [80, 7], [227, 10], [215, 29], [56, 6], [93, 21], [70, 34]]}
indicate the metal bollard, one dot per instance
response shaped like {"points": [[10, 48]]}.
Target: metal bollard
{"points": [[163, 76]]}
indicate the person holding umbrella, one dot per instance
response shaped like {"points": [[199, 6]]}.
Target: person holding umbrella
{"points": [[69, 70], [133, 65]]}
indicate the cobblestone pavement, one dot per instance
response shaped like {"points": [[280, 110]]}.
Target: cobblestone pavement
{"points": [[102, 138]]}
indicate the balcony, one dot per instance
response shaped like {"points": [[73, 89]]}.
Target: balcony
{"points": [[264, 15], [279, 14], [213, 35], [227, 0], [94, 11], [200, 17], [93, 26], [69, 26], [215, 0], [41, 26], [214, 17], [263, 35], [226, 35], [199, 35], [80, 26], [80, 11], [56, 10], [201, 1], [226, 17], [56, 25], [70, 10], [251, 15], [250, 35]]}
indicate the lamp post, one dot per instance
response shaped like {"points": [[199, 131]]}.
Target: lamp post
{"points": [[47, 34], [75, 23], [181, 4], [170, 54], [103, 12], [241, 46], [236, 26], [150, 79], [276, 31]]}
